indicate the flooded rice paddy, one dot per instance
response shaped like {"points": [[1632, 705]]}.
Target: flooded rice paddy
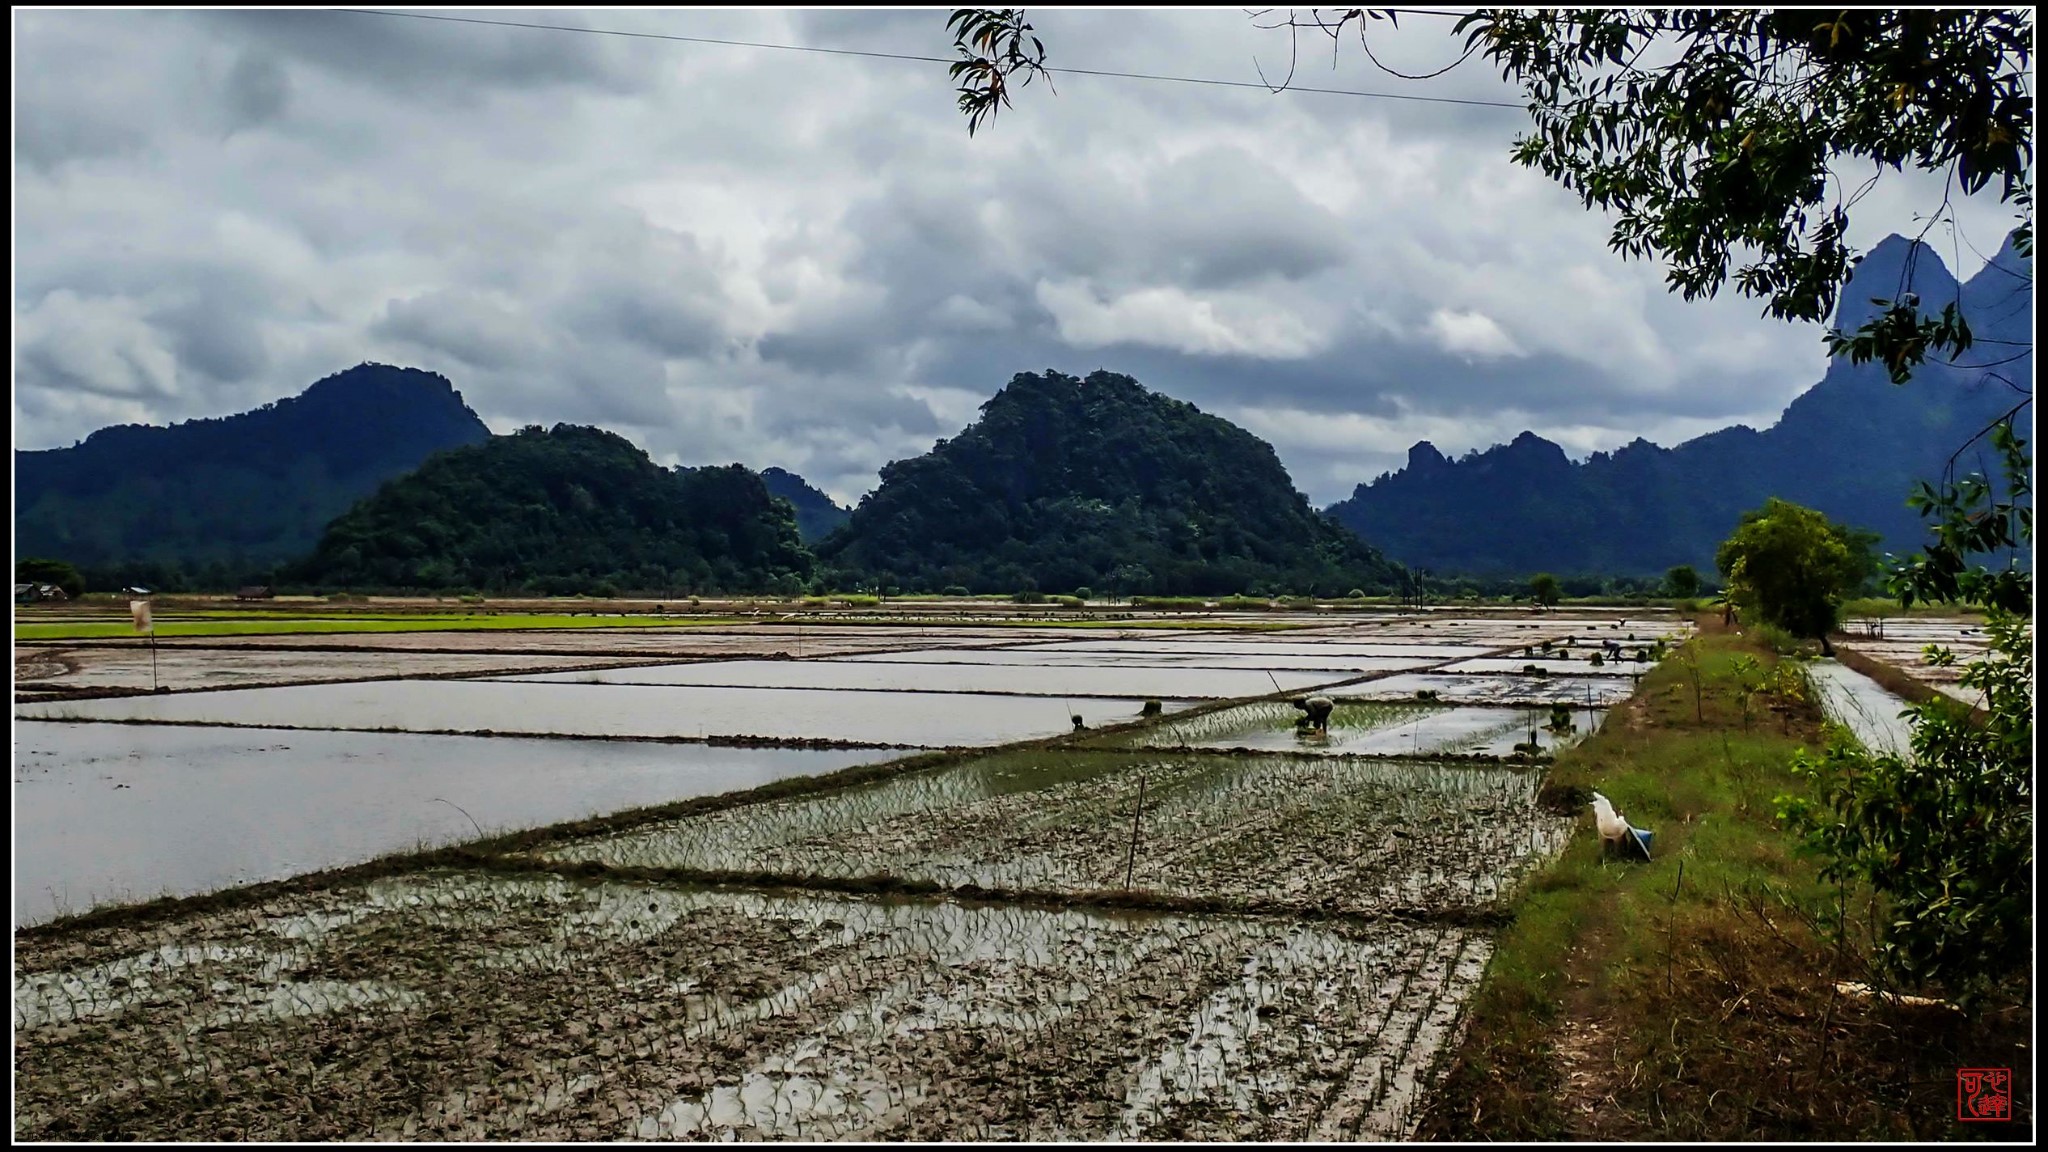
{"points": [[1903, 644], [1039, 658], [1863, 706], [108, 813], [1211, 646], [1205, 926], [1374, 729], [902, 719], [1352, 835], [70, 668], [1482, 688], [1021, 680]]}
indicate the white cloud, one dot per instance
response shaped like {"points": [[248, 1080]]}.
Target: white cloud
{"points": [[1471, 335], [1179, 321]]}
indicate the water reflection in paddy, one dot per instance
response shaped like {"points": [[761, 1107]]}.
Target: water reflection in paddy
{"points": [[111, 812], [1115, 681], [917, 719]]}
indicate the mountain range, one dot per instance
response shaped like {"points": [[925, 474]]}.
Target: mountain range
{"points": [[1851, 446], [241, 492], [382, 476]]}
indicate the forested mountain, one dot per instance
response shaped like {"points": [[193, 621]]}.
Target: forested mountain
{"points": [[562, 510], [238, 493], [1852, 446], [816, 513], [1066, 483]]}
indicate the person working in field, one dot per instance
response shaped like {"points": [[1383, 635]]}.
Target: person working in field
{"points": [[1317, 711]]}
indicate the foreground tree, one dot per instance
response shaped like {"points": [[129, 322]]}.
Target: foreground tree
{"points": [[1683, 582], [1544, 589], [1791, 567]]}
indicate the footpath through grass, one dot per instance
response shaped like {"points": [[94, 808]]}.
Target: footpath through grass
{"points": [[1636, 1001]]}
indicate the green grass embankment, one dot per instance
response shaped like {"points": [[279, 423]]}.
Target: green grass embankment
{"points": [[1636, 1001]]}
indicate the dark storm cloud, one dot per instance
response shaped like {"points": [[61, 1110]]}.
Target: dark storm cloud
{"points": [[801, 260]]}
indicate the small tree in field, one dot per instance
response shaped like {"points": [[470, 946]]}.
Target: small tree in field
{"points": [[1545, 589], [1682, 582], [1790, 566]]}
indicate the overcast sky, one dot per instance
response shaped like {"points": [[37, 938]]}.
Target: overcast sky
{"points": [[803, 260]]}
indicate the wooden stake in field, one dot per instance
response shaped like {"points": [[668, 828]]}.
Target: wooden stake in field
{"points": [[1131, 860], [139, 609]]}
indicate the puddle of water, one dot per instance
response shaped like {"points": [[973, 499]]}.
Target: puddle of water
{"points": [[1123, 682], [114, 812], [914, 719], [1372, 729], [1863, 706]]}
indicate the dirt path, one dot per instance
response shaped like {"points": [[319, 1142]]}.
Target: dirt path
{"points": [[1584, 1045]]}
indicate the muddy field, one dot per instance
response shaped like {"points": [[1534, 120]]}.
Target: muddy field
{"points": [[474, 1006], [1202, 925]]}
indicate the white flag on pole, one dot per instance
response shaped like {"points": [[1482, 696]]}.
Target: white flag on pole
{"points": [[140, 610]]}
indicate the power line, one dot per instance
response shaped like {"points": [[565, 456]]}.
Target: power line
{"points": [[930, 59]]}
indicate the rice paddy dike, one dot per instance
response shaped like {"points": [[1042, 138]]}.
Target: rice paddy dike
{"points": [[1202, 923]]}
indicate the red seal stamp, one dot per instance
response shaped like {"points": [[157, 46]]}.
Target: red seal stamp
{"points": [[1983, 1093]]}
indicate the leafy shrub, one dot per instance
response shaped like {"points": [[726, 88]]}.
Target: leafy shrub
{"points": [[1071, 602], [953, 590], [1942, 834], [1028, 596], [1781, 641]]}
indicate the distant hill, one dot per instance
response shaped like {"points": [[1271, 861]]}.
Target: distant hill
{"points": [[562, 510], [1066, 483], [1852, 446], [240, 492], [816, 513]]}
